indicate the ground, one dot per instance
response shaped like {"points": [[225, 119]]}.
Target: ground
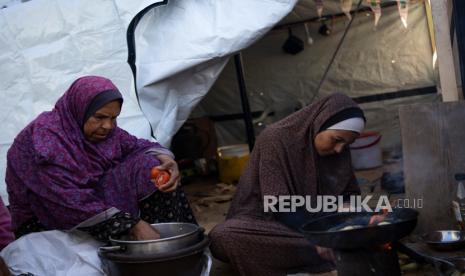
{"points": [[210, 201]]}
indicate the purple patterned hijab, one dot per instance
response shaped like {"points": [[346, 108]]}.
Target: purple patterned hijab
{"points": [[51, 162]]}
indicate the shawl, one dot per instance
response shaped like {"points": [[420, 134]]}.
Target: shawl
{"points": [[51, 162], [285, 162]]}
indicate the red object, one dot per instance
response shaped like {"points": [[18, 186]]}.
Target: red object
{"points": [[159, 177]]}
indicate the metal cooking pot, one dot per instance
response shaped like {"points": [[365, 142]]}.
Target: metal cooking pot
{"points": [[174, 236], [188, 261], [445, 240]]}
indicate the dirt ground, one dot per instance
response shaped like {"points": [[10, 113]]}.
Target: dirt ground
{"points": [[210, 201]]}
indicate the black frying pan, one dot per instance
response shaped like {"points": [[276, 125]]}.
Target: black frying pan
{"points": [[326, 231]]}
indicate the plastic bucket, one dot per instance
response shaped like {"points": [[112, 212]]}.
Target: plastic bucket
{"points": [[231, 161], [366, 152]]}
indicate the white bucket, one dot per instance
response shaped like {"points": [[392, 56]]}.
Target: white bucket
{"points": [[366, 152]]}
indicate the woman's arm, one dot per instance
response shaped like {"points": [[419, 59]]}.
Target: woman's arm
{"points": [[132, 144], [59, 202], [102, 227]]}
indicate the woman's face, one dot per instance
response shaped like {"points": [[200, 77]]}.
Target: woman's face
{"points": [[331, 141], [102, 122]]}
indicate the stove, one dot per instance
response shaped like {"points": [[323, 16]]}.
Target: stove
{"points": [[363, 248], [374, 260]]}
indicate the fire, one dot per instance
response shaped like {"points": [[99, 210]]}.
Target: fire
{"points": [[386, 246], [375, 219]]}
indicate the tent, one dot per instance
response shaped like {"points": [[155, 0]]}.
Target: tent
{"points": [[381, 67], [178, 50], [175, 49]]}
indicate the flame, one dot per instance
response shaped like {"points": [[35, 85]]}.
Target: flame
{"points": [[375, 219], [386, 246]]}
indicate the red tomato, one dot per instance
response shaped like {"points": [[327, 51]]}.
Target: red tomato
{"points": [[159, 177], [154, 173]]}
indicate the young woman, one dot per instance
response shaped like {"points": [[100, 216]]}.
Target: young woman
{"points": [[304, 154]]}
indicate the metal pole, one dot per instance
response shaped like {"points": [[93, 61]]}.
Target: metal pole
{"points": [[244, 100], [447, 77], [458, 11]]}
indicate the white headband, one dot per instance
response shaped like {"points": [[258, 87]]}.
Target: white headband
{"points": [[356, 124]]}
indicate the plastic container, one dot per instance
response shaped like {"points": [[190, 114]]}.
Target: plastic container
{"points": [[366, 151], [231, 162]]}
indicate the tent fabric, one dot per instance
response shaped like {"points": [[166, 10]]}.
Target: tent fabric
{"points": [[177, 60], [41, 56], [191, 51], [371, 61]]}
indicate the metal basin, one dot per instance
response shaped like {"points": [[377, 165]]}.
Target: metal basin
{"points": [[174, 236], [188, 261], [445, 240]]}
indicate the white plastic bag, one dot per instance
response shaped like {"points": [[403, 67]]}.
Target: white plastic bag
{"points": [[54, 253], [61, 253]]}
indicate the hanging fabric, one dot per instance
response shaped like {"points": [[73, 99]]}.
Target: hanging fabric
{"points": [[375, 6], [402, 5], [307, 33], [319, 7], [346, 7]]}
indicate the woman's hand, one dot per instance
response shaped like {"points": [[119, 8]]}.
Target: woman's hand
{"points": [[168, 164], [345, 207], [325, 253], [143, 231]]}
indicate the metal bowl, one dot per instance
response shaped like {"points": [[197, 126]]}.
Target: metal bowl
{"points": [[174, 236], [445, 240]]}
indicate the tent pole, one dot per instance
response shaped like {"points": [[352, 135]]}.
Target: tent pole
{"points": [[447, 79], [458, 11], [244, 100]]}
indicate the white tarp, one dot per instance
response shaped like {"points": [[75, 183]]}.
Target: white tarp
{"points": [[371, 61], [45, 45], [62, 253], [180, 49], [193, 42]]}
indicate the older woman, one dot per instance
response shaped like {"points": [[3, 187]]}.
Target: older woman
{"points": [[305, 154], [73, 167]]}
